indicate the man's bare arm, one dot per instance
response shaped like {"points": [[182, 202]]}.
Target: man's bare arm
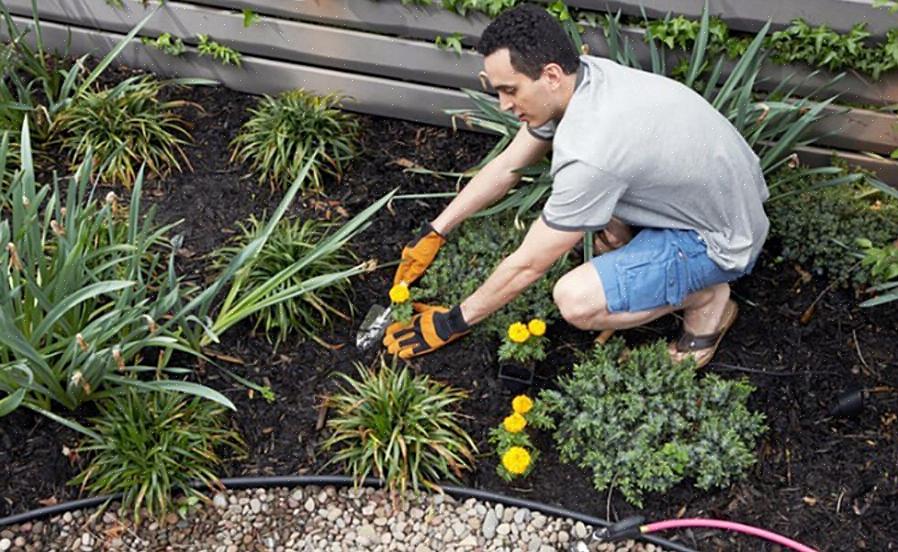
{"points": [[493, 181], [540, 249]]}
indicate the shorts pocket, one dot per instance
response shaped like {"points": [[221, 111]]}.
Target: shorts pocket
{"points": [[651, 284]]}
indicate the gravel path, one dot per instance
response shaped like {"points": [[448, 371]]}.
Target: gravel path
{"points": [[315, 519]]}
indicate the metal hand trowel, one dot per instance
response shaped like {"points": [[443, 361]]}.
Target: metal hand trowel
{"points": [[373, 326]]}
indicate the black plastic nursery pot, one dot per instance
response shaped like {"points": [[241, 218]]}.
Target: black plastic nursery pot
{"points": [[346, 481]]}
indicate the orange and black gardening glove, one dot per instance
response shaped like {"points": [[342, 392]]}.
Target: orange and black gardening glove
{"points": [[417, 255], [428, 330]]}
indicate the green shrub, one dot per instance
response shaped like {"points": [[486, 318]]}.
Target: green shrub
{"points": [[400, 427], [284, 131], [641, 423], [817, 225], [466, 261], [149, 446], [290, 242], [125, 126]]}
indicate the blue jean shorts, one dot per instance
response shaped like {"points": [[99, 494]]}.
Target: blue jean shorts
{"points": [[658, 267]]}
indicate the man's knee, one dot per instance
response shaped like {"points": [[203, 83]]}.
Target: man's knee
{"points": [[579, 305]]}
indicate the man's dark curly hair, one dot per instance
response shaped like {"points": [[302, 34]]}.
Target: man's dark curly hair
{"points": [[533, 38]]}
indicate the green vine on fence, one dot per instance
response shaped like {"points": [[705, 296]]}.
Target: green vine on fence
{"points": [[818, 46]]}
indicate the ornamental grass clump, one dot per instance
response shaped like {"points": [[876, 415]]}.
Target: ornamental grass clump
{"points": [[513, 446], [399, 427], [524, 342], [87, 287], [283, 131], [642, 423], [126, 126], [290, 242], [151, 446]]}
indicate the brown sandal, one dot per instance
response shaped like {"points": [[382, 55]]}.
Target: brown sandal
{"points": [[706, 345]]}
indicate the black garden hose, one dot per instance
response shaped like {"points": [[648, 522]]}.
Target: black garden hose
{"points": [[345, 481]]}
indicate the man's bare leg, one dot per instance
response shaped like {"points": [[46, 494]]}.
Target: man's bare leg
{"points": [[583, 304]]}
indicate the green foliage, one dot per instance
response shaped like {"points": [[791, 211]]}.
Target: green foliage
{"points": [[249, 17], [150, 446], [400, 427], [126, 126], [219, 52], [84, 288], [810, 215], [451, 42], [642, 424], [403, 312], [289, 243], [492, 8], [169, 44], [466, 261], [283, 131], [883, 265], [818, 46]]}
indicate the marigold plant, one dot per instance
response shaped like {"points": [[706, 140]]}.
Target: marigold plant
{"points": [[513, 446], [401, 303], [524, 342]]}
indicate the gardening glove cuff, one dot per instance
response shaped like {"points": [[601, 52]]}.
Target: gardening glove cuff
{"points": [[418, 254], [426, 332]]}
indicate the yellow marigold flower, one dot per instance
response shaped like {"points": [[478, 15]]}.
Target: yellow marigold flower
{"points": [[399, 293], [514, 423], [516, 460], [537, 327], [521, 404], [518, 332]]}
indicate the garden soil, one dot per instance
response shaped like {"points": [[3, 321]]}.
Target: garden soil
{"points": [[829, 482]]}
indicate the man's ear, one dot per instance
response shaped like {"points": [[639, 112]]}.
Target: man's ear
{"points": [[554, 74]]}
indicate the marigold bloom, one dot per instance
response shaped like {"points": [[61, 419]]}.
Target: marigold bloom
{"points": [[514, 423], [516, 460], [399, 293], [537, 327], [518, 332], [522, 404]]}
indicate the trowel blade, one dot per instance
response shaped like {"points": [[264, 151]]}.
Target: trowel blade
{"points": [[373, 326]]}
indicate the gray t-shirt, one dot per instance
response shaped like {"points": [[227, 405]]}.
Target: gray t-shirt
{"points": [[654, 153]]}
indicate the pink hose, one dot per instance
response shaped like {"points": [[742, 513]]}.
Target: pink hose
{"points": [[732, 526]]}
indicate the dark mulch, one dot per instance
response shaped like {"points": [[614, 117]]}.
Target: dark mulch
{"points": [[831, 483]]}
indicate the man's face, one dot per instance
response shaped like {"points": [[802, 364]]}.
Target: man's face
{"points": [[528, 99]]}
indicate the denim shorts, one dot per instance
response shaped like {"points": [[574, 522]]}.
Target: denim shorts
{"points": [[658, 267]]}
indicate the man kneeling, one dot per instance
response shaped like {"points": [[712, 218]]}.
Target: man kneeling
{"points": [[633, 154]]}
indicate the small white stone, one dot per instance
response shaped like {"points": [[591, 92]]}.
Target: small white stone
{"points": [[5, 544]]}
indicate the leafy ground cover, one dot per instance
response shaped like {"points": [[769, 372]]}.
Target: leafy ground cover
{"points": [[828, 482]]}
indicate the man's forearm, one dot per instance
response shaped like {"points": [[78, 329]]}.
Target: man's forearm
{"points": [[510, 278], [490, 184]]}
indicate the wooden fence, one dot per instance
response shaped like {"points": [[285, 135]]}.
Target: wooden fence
{"points": [[382, 54]]}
